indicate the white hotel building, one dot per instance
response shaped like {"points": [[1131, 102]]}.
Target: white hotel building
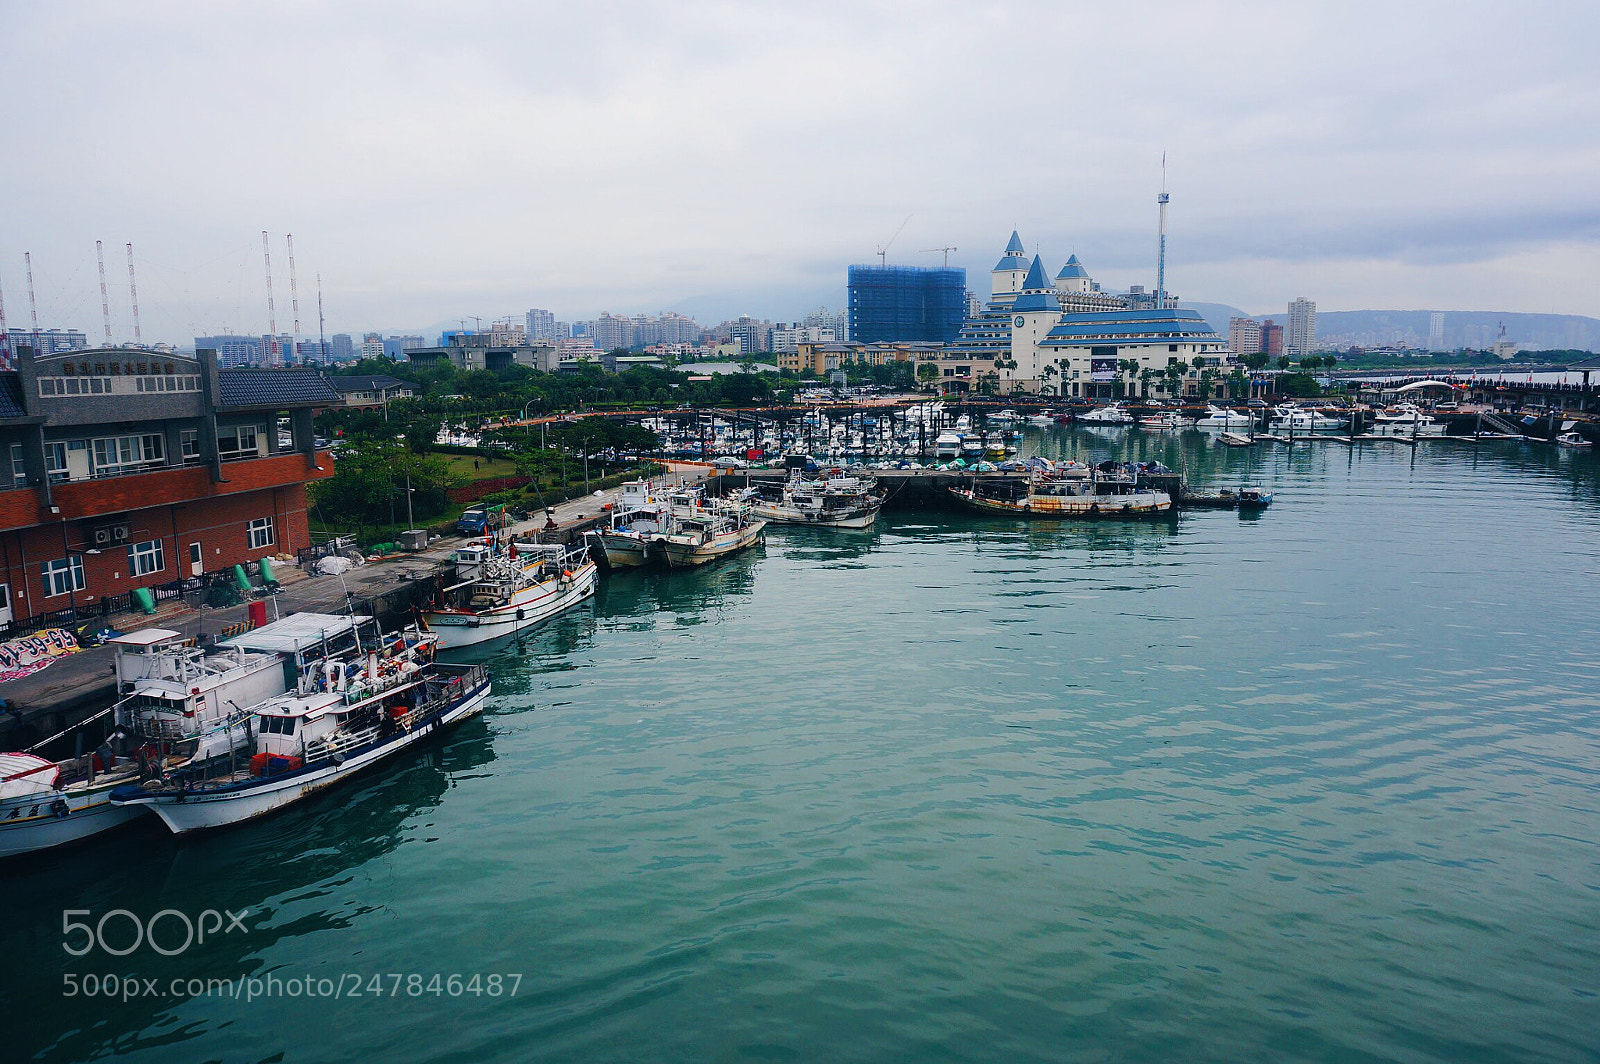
{"points": [[1071, 339]]}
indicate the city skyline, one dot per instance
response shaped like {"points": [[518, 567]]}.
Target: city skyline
{"points": [[1340, 162]]}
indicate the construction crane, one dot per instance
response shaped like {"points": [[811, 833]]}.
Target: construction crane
{"points": [[294, 292], [947, 251], [105, 303], [883, 250], [133, 297]]}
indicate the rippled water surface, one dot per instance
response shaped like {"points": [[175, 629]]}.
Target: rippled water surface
{"points": [[1318, 785]]}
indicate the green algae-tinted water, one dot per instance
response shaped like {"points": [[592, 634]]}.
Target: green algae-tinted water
{"points": [[1318, 785]]}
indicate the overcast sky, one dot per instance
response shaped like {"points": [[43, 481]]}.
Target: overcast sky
{"points": [[440, 160]]}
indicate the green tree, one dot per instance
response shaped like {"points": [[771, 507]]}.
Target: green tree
{"points": [[1284, 361]]}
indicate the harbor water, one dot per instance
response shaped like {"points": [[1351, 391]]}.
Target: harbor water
{"points": [[1318, 784]]}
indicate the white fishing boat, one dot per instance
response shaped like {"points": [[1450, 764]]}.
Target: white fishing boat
{"points": [[1107, 415], [180, 703], [832, 502], [1113, 490], [1042, 420], [1160, 422], [499, 591], [1222, 419], [311, 739], [722, 527], [645, 511]]}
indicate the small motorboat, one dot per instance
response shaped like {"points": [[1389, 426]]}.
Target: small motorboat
{"points": [[1574, 440]]}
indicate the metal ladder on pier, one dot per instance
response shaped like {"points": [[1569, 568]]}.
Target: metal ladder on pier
{"points": [[1500, 424]]}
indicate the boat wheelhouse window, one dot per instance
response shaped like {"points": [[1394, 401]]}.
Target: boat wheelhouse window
{"points": [[277, 725]]}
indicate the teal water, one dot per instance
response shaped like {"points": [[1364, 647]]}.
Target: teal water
{"points": [[1320, 785]]}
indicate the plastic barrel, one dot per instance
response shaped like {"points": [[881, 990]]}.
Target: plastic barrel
{"points": [[266, 571], [144, 600], [241, 578]]}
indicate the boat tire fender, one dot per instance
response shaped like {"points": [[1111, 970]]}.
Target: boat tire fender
{"points": [[1094, 509]]}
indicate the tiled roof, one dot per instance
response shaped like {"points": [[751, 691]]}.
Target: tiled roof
{"points": [[11, 396], [244, 387]]}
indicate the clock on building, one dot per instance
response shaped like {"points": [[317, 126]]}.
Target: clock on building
{"points": [[1020, 320]]}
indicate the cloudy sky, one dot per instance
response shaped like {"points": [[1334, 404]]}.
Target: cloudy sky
{"points": [[434, 161]]}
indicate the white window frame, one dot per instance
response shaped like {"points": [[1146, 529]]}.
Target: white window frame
{"points": [[186, 437], [237, 437], [115, 455], [56, 470], [146, 558], [262, 532], [63, 576], [19, 467]]}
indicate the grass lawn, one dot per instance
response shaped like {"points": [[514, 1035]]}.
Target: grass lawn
{"points": [[486, 468]]}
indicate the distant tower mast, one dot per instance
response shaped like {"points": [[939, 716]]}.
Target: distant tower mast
{"points": [[5, 337], [1161, 247], [294, 291], [133, 297], [272, 312], [33, 306], [322, 338], [105, 302]]}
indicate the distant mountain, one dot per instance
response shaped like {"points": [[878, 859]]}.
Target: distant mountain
{"points": [[1476, 329], [1216, 314]]}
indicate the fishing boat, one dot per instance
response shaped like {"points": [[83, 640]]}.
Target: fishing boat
{"points": [[1251, 499], [180, 703], [722, 527], [1110, 490], [1572, 439], [833, 502], [502, 590], [304, 741], [1160, 422], [1042, 420], [947, 445], [644, 510], [1106, 415]]}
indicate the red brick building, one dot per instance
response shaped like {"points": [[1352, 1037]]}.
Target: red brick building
{"points": [[137, 469]]}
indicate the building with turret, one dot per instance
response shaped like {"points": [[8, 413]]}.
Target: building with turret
{"points": [[1068, 337]]}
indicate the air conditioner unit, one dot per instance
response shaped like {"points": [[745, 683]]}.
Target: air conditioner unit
{"points": [[109, 535]]}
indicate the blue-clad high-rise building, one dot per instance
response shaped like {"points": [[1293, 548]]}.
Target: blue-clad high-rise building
{"points": [[889, 303]]}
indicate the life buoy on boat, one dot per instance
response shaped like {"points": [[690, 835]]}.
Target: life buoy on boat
{"points": [[1094, 509]]}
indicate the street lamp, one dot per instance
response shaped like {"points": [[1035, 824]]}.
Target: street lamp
{"points": [[72, 582]]}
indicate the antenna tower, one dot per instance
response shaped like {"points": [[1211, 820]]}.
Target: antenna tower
{"points": [[322, 339], [272, 312], [1161, 247], [5, 337], [294, 292], [105, 305], [33, 306], [133, 297]]}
